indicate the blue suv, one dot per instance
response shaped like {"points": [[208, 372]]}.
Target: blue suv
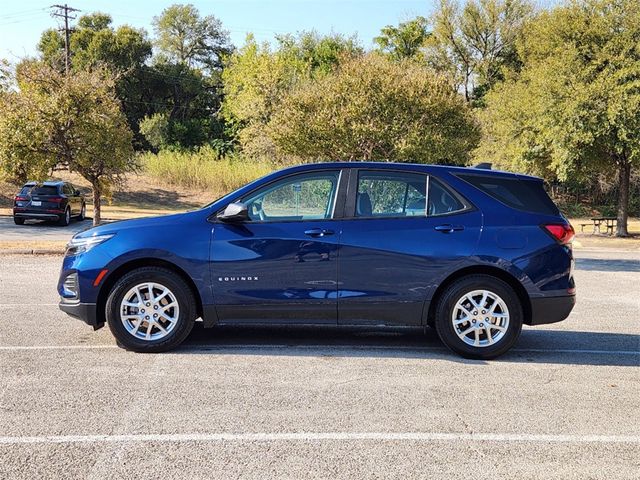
{"points": [[472, 252]]}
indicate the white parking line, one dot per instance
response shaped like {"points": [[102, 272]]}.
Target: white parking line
{"points": [[9, 305], [317, 347], [324, 436]]}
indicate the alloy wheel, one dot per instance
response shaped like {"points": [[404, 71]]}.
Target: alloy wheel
{"points": [[480, 318], [149, 311]]}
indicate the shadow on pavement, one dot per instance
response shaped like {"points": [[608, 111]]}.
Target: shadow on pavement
{"points": [[534, 346], [604, 265]]}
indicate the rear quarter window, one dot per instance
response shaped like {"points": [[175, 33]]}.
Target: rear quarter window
{"points": [[521, 194]]}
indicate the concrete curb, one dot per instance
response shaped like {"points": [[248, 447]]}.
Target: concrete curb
{"points": [[33, 251]]}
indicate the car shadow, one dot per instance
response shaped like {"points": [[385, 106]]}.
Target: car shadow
{"points": [[605, 265], [534, 345]]}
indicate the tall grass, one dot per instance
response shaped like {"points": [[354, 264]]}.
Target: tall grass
{"points": [[203, 170]]}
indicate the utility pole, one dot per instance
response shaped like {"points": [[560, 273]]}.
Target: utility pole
{"points": [[64, 11]]}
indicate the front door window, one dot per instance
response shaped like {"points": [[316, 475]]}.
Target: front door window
{"points": [[297, 198]]}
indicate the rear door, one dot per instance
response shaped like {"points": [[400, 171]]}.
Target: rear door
{"points": [[402, 231], [67, 189]]}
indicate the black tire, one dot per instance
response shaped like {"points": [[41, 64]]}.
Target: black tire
{"points": [[178, 287], [65, 219], [83, 211], [18, 221], [445, 311]]}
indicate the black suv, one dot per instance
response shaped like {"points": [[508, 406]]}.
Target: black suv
{"points": [[48, 201]]}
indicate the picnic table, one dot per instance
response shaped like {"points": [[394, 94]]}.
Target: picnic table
{"points": [[609, 224]]}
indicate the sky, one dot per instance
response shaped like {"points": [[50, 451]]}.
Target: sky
{"points": [[21, 23]]}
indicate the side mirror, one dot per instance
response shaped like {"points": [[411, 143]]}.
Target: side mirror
{"points": [[235, 212]]}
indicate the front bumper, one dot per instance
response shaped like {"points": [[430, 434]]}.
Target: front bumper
{"points": [[87, 312], [551, 309]]}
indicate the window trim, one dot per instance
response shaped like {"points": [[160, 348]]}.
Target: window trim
{"points": [[336, 214]]}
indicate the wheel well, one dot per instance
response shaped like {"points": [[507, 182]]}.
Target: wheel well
{"points": [[132, 265], [483, 270]]}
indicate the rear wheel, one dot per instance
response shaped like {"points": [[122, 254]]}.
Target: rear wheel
{"points": [[66, 218], [83, 213], [150, 309], [479, 316], [18, 221]]}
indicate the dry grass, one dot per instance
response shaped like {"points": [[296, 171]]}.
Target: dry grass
{"points": [[202, 171], [29, 245]]}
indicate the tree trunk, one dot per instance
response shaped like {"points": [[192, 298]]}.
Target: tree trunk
{"points": [[624, 175], [96, 204]]}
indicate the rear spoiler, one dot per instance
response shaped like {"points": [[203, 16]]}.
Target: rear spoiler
{"points": [[483, 166]]}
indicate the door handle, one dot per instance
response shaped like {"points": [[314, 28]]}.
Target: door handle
{"points": [[318, 232], [448, 228]]}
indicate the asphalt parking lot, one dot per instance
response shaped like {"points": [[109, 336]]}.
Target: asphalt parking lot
{"points": [[258, 403], [40, 230]]}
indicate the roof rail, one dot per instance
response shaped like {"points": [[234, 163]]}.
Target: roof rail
{"points": [[483, 166]]}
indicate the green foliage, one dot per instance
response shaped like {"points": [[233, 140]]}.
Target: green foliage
{"points": [[124, 51], [374, 108], [404, 41], [477, 42], [57, 121], [203, 170], [575, 107], [256, 78], [320, 54], [183, 36]]}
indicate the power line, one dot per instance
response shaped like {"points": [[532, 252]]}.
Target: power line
{"points": [[64, 11]]}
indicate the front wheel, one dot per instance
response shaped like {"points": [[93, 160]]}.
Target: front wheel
{"points": [[479, 316], [150, 309], [83, 213]]}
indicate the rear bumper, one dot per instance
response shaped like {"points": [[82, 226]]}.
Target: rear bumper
{"points": [[551, 309], [36, 215], [82, 311]]}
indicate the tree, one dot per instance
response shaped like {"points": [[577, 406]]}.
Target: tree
{"points": [[575, 107], [257, 77], [320, 54], [374, 108], [183, 36], [73, 122], [476, 42], [125, 51], [404, 41]]}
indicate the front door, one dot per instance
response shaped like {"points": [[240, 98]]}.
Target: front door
{"points": [[281, 265], [396, 244]]}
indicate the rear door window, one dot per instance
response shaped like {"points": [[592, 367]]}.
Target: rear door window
{"points": [[390, 194], [521, 194]]}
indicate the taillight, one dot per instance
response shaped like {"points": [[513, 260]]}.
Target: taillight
{"points": [[562, 232], [55, 199]]}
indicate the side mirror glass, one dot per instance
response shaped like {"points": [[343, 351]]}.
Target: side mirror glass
{"points": [[234, 212]]}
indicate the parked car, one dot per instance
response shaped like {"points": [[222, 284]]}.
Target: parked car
{"points": [[475, 253], [48, 201]]}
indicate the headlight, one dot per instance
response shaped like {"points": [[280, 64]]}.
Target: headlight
{"points": [[83, 244]]}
